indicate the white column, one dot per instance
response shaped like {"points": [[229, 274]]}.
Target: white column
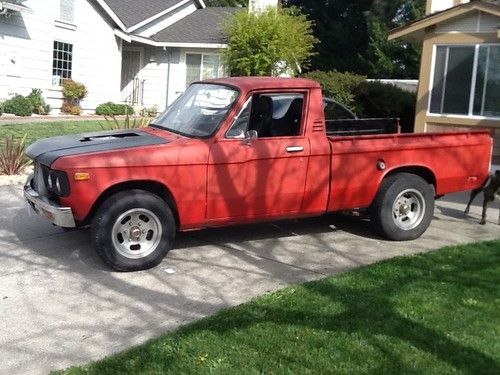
{"points": [[260, 5]]}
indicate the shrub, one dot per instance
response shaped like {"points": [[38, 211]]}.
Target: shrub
{"points": [[149, 111], [73, 92], [71, 109], [368, 99], [269, 43], [12, 157], [38, 102], [339, 86], [113, 109], [128, 123], [18, 105], [382, 100]]}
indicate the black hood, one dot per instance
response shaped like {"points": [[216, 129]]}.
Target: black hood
{"points": [[46, 151]]}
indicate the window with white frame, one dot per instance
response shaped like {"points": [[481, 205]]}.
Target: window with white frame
{"points": [[466, 81], [62, 62], [200, 66], [67, 11]]}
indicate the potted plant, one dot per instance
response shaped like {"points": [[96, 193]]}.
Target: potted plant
{"points": [[73, 92]]}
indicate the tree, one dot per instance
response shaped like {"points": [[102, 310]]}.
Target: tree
{"points": [[393, 59], [270, 43], [341, 27], [353, 36]]}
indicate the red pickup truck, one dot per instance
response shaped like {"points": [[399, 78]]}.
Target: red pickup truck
{"points": [[238, 150]]}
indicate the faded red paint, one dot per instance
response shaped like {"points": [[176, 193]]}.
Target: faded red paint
{"points": [[220, 181]]}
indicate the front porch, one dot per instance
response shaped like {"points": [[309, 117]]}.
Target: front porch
{"points": [[156, 76]]}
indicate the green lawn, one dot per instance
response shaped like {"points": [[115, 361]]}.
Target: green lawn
{"points": [[38, 130], [437, 313]]}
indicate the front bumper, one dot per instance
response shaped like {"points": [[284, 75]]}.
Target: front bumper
{"points": [[57, 215]]}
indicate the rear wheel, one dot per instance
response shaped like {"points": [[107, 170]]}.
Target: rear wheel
{"points": [[404, 207], [133, 230]]}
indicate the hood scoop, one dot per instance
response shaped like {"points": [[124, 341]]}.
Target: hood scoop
{"points": [[108, 137]]}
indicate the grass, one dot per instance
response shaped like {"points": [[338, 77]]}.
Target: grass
{"points": [[436, 313], [38, 130]]}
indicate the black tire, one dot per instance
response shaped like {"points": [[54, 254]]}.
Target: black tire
{"points": [[133, 230], [403, 207]]}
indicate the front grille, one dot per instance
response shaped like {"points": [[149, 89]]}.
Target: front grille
{"points": [[39, 179]]}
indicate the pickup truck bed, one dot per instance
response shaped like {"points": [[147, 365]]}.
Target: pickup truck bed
{"points": [[459, 159], [353, 127]]}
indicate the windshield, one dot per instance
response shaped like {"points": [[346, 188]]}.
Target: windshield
{"points": [[199, 111]]}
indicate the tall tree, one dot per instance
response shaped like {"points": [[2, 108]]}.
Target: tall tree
{"points": [[341, 27], [353, 35], [392, 59]]}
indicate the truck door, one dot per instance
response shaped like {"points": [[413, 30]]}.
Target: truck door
{"points": [[258, 168]]}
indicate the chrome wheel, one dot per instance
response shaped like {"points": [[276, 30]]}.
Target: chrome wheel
{"points": [[408, 209], [136, 233]]}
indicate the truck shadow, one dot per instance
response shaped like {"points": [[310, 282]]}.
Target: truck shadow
{"points": [[358, 226]]}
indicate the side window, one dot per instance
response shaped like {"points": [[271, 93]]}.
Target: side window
{"points": [[240, 124], [336, 111], [270, 115], [287, 114]]}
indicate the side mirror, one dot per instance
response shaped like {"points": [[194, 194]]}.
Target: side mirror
{"points": [[235, 134], [250, 136]]}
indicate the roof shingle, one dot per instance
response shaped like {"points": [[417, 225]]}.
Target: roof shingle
{"points": [[131, 12], [202, 26]]}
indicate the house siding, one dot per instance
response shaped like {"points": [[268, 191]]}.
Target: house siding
{"points": [[438, 5], [155, 75], [478, 23], [26, 47], [457, 34]]}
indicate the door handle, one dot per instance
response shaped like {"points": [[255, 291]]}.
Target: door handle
{"points": [[294, 149]]}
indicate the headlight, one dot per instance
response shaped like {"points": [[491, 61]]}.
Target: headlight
{"points": [[57, 183]]}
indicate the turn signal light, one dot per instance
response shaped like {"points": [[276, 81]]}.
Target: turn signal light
{"points": [[82, 176]]}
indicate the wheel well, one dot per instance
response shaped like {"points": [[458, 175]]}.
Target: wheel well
{"points": [[423, 172], [151, 186]]}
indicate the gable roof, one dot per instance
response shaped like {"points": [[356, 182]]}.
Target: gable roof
{"points": [[205, 26], [128, 14], [415, 30]]}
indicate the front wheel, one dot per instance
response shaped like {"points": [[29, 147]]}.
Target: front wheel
{"points": [[133, 230], [404, 207]]}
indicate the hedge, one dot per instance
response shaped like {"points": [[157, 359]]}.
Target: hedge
{"points": [[113, 109], [368, 99]]}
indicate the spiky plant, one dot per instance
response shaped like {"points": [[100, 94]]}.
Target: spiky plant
{"points": [[12, 157], [128, 123]]}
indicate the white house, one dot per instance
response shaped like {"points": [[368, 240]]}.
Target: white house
{"points": [[143, 52]]}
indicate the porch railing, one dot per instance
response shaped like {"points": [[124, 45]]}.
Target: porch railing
{"points": [[136, 96]]}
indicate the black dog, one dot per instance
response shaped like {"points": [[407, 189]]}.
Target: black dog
{"points": [[490, 189]]}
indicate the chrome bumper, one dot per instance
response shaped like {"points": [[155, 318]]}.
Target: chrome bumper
{"points": [[57, 215]]}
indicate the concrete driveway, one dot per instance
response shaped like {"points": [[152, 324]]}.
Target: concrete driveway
{"points": [[60, 305]]}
